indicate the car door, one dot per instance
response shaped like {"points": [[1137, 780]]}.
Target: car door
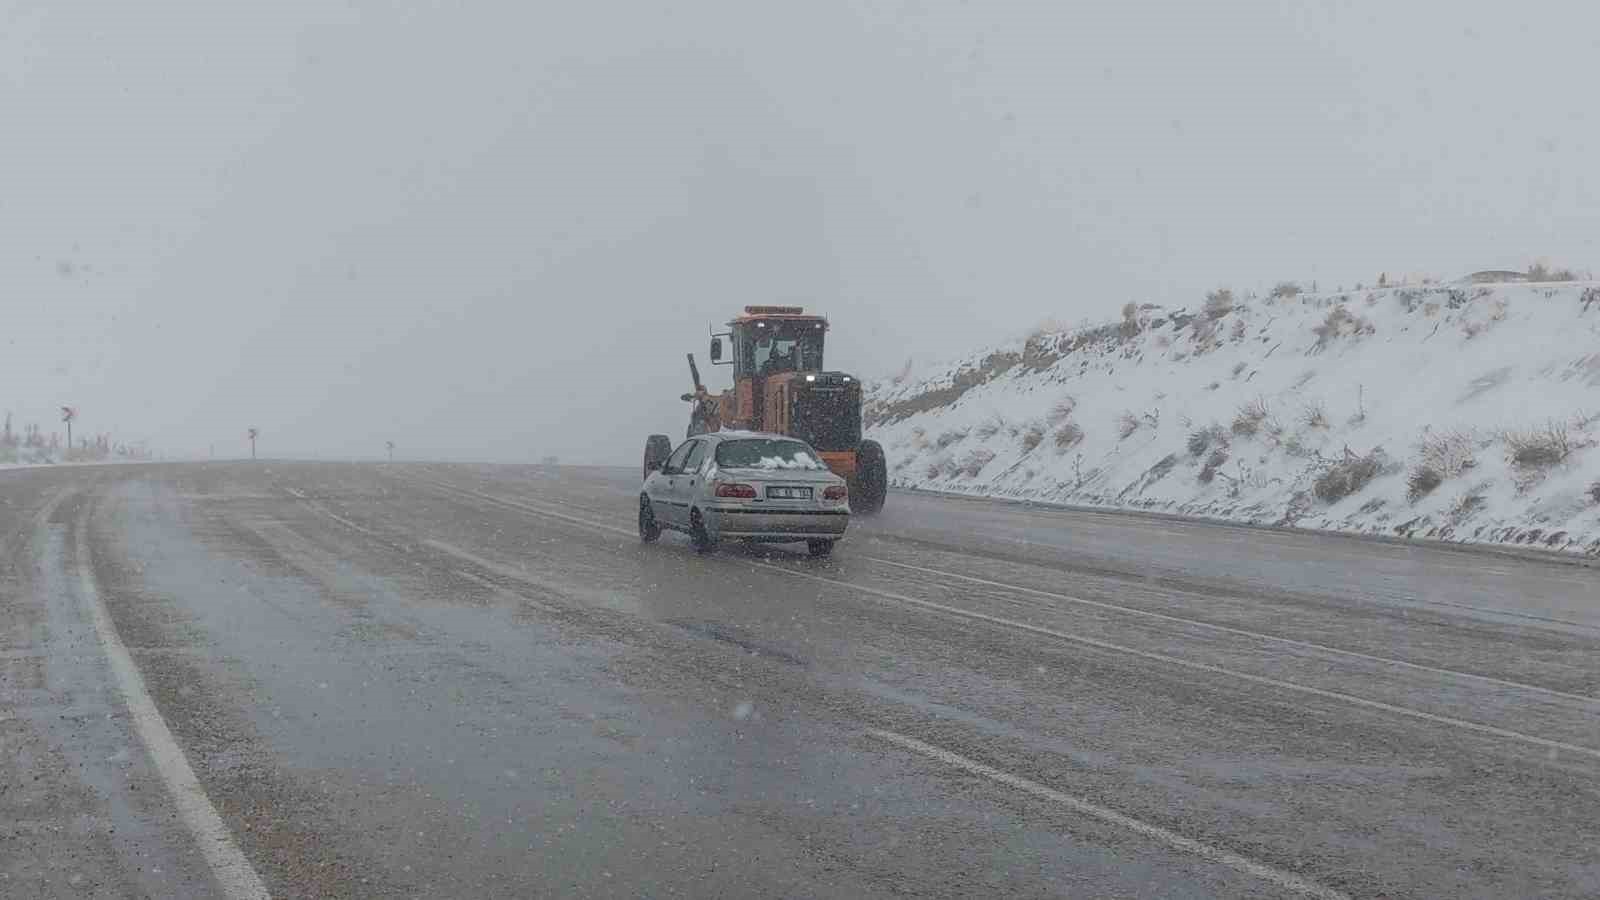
{"points": [[689, 479], [664, 499]]}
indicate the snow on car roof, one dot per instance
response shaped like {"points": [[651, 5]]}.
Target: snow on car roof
{"points": [[728, 434]]}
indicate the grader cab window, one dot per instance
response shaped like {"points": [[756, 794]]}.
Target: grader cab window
{"points": [[769, 347]]}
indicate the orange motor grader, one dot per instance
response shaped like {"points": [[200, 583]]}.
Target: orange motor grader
{"points": [[780, 386]]}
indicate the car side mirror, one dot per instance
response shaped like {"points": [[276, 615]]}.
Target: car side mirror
{"points": [[687, 398], [716, 349]]}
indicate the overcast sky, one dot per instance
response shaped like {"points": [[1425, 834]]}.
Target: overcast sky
{"points": [[491, 230]]}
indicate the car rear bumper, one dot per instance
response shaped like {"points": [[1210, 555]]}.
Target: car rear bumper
{"points": [[775, 525]]}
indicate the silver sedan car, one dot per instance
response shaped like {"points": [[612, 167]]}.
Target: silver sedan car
{"points": [[745, 486]]}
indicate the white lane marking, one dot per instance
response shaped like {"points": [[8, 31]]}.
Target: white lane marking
{"points": [[319, 508], [1275, 876], [1434, 718], [487, 565], [536, 510], [1244, 632], [316, 507], [1532, 617], [233, 872]]}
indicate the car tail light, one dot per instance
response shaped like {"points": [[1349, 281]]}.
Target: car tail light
{"points": [[739, 491], [834, 492]]}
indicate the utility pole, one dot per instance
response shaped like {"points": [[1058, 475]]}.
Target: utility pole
{"points": [[390, 446], [254, 433]]}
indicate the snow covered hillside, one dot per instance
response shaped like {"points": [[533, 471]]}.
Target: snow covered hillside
{"points": [[1459, 412]]}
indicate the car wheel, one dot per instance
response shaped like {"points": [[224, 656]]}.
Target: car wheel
{"points": [[820, 548], [649, 528], [698, 535], [871, 484]]}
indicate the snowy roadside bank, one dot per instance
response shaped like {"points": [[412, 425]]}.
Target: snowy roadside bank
{"points": [[1455, 412]]}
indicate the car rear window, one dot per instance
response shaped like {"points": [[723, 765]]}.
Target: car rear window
{"points": [[765, 453]]}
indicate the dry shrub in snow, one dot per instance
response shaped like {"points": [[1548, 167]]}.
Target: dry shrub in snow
{"points": [[1273, 429], [1542, 271], [1032, 436], [1535, 448], [1448, 452], [1594, 492], [1067, 436], [1219, 303], [1062, 410], [1215, 461], [949, 437], [1347, 476], [1250, 416], [1285, 290], [1463, 508], [1238, 330], [1421, 482], [990, 428], [1494, 311], [1206, 438], [1130, 320], [1314, 414], [935, 469], [1127, 424], [1341, 323], [975, 461]]}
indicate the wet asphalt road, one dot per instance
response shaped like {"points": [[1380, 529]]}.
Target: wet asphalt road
{"points": [[449, 680]]}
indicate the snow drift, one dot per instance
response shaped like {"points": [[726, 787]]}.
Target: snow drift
{"points": [[1459, 412]]}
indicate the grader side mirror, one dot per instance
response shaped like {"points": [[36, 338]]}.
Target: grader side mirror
{"points": [[716, 349]]}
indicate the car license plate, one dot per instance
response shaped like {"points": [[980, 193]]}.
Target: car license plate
{"points": [[788, 493]]}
